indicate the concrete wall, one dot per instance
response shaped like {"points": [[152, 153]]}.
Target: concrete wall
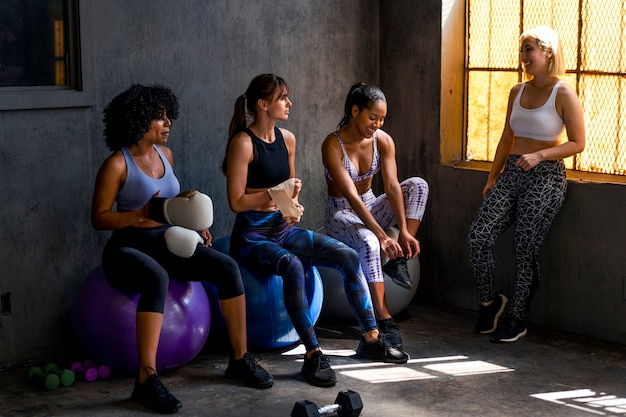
{"points": [[207, 52]]}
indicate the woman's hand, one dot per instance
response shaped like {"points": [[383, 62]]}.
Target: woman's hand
{"points": [[410, 245], [391, 248], [206, 235], [297, 186], [528, 161], [488, 187], [293, 220]]}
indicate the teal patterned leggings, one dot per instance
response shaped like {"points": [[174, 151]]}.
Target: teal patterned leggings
{"points": [[264, 243]]}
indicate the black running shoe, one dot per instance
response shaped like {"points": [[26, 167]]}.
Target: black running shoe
{"points": [[381, 350], [510, 330], [316, 370], [487, 319], [399, 272], [248, 371], [153, 395], [391, 330]]}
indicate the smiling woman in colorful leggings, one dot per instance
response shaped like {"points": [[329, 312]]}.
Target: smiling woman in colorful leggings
{"points": [[352, 156]]}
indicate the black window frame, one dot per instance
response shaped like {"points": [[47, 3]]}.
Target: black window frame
{"points": [[80, 91]]}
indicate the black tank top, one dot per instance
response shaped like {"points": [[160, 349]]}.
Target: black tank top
{"points": [[270, 163]]}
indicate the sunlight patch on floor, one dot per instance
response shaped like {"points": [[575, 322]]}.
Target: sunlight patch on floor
{"points": [[467, 368], [387, 374], [592, 402], [417, 368]]}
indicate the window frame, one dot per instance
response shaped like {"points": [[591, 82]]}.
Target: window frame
{"points": [[81, 92]]}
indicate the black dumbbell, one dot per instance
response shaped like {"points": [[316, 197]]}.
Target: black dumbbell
{"points": [[347, 404]]}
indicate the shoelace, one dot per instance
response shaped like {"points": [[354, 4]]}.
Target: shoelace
{"points": [[251, 361], [323, 362], [158, 388]]}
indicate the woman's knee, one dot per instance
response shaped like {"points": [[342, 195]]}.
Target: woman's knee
{"points": [[153, 292], [416, 183], [289, 266], [227, 278], [371, 247]]}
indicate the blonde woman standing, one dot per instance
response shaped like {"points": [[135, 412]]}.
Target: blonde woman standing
{"points": [[527, 183]]}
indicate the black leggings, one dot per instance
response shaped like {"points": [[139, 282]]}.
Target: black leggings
{"points": [[137, 260]]}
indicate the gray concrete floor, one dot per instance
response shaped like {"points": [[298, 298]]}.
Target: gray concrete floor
{"points": [[453, 372]]}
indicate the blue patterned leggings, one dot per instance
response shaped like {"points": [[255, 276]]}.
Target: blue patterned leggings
{"points": [[528, 200], [264, 243], [341, 222]]}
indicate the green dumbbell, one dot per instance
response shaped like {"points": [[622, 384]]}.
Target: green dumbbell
{"points": [[47, 381], [66, 377]]}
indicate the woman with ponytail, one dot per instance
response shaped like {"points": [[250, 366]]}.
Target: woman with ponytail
{"points": [[352, 155], [259, 164]]}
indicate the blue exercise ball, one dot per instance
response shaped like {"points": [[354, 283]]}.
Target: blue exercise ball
{"points": [[268, 324], [103, 320]]}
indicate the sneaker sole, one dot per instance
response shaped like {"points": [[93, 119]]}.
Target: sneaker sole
{"points": [[404, 285], [385, 360], [497, 316], [265, 385], [320, 383], [160, 410], [511, 339]]}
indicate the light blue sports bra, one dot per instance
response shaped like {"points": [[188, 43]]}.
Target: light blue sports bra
{"points": [[139, 187], [349, 166], [542, 123]]}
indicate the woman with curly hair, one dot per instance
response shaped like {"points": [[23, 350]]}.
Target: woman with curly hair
{"points": [[136, 258]]}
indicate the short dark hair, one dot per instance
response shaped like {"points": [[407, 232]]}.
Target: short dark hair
{"points": [[128, 116]]}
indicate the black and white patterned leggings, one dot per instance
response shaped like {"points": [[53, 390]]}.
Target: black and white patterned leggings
{"points": [[528, 200]]}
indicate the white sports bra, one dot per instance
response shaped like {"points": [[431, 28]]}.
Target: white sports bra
{"points": [[542, 123]]}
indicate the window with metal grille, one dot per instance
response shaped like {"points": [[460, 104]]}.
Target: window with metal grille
{"points": [[593, 38]]}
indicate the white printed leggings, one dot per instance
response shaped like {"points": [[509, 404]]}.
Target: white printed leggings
{"points": [[528, 200], [342, 223]]}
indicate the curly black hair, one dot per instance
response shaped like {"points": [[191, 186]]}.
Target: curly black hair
{"points": [[128, 116]]}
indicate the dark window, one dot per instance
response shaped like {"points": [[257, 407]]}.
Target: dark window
{"points": [[35, 43]]}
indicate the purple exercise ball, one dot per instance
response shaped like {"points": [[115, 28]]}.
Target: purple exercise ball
{"points": [[103, 319]]}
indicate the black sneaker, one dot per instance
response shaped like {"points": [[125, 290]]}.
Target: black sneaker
{"points": [[248, 371], [316, 370], [399, 273], [509, 331], [381, 350], [153, 395], [391, 330], [487, 319]]}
